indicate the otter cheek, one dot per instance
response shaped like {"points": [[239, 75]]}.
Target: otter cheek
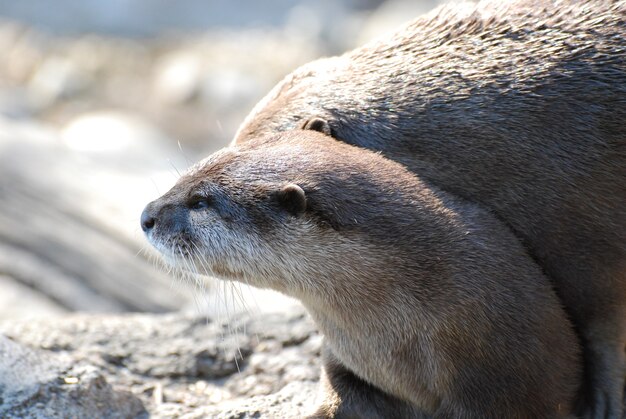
{"points": [[177, 220]]}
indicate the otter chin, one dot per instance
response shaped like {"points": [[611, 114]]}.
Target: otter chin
{"points": [[429, 305]]}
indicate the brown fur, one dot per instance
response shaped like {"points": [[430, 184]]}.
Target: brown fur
{"points": [[427, 303], [520, 107]]}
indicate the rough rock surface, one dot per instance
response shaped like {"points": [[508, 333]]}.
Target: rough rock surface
{"points": [[39, 384], [159, 366]]}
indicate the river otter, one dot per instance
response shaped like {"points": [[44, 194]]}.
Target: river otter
{"points": [[520, 107], [427, 303]]}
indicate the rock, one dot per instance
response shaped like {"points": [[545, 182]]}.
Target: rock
{"points": [[173, 365], [66, 226], [177, 79], [22, 56], [17, 103], [113, 132], [38, 384], [196, 87], [57, 79], [32, 303], [229, 88], [295, 400]]}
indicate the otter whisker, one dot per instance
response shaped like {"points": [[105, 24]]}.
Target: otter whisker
{"points": [[174, 167], [190, 275], [204, 265], [156, 187]]}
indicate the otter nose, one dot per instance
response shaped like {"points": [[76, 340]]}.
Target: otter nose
{"points": [[167, 216], [147, 220]]}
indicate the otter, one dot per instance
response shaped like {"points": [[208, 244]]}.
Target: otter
{"points": [[428, 304], [517, 106]]}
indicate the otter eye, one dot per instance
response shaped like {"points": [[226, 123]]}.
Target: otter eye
{"points": [[198, 202]]}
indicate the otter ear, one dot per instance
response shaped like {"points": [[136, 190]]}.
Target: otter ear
{"points": [[319, 125], [292, 198]]}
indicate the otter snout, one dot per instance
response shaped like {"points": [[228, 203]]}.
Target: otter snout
{"points": [[148, 220], [168, 218]]}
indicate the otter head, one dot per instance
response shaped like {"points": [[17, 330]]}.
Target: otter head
{"points": [[220, 221], [266, 212]]}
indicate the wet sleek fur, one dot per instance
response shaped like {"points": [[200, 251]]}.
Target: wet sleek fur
{"points": [[427, 303], [520, 107]]}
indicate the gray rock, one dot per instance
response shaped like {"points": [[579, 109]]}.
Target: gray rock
{"points": [[57, 79], [172, 365], [112, 138], [17, 103], [38, 384], [295, 400], [64, 229], [33, 304], [177, 78]]}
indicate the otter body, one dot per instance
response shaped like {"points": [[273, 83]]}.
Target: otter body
{"points": [[519, 107], [428, 304]]}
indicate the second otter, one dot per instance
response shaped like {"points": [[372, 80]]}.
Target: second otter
{"points": [[427, 303], [519, 106]]}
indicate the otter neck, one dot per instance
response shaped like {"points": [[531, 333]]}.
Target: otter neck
{"points": [[358, 332]]}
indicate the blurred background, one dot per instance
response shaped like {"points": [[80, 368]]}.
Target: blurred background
{"points": [[103, 103]]}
